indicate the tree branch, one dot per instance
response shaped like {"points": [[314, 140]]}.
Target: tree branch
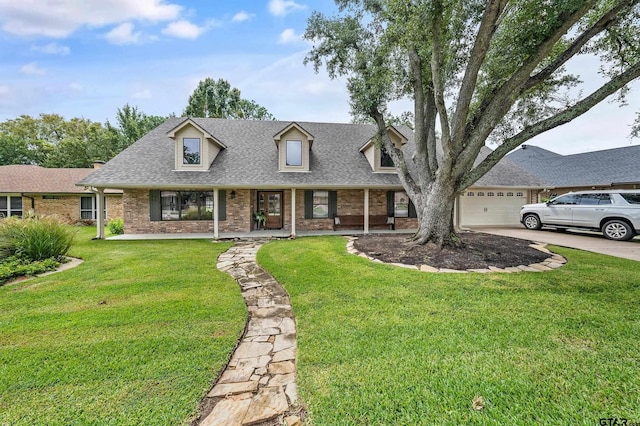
{"points": [[604, 22], [396, 154], [560, 118], [438, 87], [420, 130], [485, 33], [503, 99]]}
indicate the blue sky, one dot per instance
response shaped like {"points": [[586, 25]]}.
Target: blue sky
{"points": [[89, 58]]}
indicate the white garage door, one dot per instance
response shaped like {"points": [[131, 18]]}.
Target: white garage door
{"points": [[490, 207]]}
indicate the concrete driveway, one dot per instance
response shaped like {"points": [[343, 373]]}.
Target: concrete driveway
{"points": [[589, 241]]}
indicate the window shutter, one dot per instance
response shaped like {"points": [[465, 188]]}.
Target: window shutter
{"points": [[412, 209], [308, 204], [390, 203], [222, 206], [333, 204], [155, 209]]}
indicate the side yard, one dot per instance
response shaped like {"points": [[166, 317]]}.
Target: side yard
{"points": [[135, 335], [381, 345]]}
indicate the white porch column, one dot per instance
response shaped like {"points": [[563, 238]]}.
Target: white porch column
{"points": [[216, 219], [293, 212], [366, 210], [456, 214], [100, 213]]}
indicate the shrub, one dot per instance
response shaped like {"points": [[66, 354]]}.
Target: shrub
{"points": [[116, 226], [13, 267], [35, 238]]}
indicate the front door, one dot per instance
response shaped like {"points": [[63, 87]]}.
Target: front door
{"points": [[270, 202]]}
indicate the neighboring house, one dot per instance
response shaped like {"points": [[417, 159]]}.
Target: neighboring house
{"points": [[616, 168], [25, 188], [301, 175]]}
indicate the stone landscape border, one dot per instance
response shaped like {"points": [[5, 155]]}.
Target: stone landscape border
{"points": [[554, 261]]}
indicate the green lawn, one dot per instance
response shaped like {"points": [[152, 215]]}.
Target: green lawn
{"points": [[133, 336], [380, 345]]}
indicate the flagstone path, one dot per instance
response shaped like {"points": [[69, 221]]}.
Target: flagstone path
{"points": [[258, 387]]}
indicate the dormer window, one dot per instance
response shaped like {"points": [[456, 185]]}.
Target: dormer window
{"points": [[377, 156], [294, 147], [195, 147], [385, 159], [294, 153], [191, 151]]}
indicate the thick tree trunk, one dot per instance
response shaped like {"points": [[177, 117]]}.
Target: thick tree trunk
{"points": [[435, 211]]}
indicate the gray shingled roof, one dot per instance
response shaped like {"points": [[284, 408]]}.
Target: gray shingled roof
{"points": [[596, 168], [251, 159]]}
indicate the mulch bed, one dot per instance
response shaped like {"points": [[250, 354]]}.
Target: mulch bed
{"points": [[480, 251]]}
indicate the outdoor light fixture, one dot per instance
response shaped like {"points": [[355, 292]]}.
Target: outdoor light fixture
{"points": [[233, 194]]}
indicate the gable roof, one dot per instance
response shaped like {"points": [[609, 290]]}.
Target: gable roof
{"points": [[251, 159], [596, 168], [33, 179], [189, 122], [294, 125], [391, 129]]}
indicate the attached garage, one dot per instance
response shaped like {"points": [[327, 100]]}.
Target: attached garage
{"points": [[491, 206]]}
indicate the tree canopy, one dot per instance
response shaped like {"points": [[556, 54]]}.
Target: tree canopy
{"points": [[217, 99], [50, 140], [477, 71], [131, 125]]}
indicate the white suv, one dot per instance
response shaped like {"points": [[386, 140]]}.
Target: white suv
{"points": [[615, 213]]}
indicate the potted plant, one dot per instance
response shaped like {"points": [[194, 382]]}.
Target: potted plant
{"points": [[260, 219]]}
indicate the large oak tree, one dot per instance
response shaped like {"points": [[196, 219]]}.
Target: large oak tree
{"points": [[477, 70]]}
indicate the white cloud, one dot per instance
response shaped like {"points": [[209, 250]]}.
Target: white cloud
{"points": [[283, 7], [32, 69], [183, 29], [60, 18], [52, 49], [289, 36], [124, 34], [242, 16]]}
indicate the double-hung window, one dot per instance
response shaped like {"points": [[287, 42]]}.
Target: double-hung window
{"points": [[191, 151], [385, 159], [10, 206], [400, 205], [89, 210], [294, 153], [320, 204]]}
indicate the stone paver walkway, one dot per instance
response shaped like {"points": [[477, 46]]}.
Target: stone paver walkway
{"points": [[259, 384]]}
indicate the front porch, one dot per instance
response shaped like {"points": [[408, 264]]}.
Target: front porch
{"points": [[277, 233]]}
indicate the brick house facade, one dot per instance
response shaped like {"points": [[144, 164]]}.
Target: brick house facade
{"points": [[28, 189], [238, 217], [205, 175]]}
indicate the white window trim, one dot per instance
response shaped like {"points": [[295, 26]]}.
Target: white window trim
{"points": [[9, 209], [94, 212], [286, 154], [200, 151]]}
